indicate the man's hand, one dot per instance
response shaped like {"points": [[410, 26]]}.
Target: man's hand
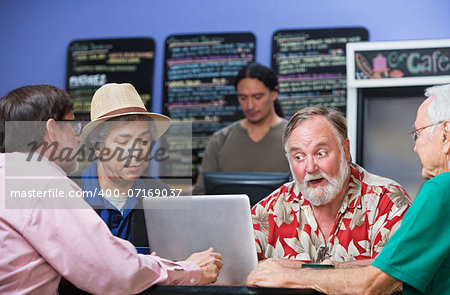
{"points": [[210, 264], [271, 273]]}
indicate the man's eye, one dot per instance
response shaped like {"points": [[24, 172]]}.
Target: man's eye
{"points": [[299, 157], [321, 154]]}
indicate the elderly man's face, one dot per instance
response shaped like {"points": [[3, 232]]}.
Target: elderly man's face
{"points": [[316, 160], [429, 143], [125, 136]]}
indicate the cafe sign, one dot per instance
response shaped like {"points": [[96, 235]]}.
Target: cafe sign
{"points": [[402, 63]]}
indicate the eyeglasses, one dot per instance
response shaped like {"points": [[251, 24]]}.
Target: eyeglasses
{"points": [[77, 126], [415, 135]]}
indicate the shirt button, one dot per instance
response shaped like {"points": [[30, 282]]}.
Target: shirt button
{"points": [[192, 281]]}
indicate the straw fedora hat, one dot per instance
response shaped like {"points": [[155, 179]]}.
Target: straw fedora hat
{"points": [[113, 100]]}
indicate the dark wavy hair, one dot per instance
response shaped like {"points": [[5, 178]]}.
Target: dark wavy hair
{"points": [[31, 103], [265, 75]]}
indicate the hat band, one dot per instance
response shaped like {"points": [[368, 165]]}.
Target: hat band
{"points": [[124, 111]]}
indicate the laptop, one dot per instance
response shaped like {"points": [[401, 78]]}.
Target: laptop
{"points": [[178, 227]]}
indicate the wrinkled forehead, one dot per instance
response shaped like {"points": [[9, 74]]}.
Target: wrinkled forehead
{"points": [[313, 131], [314, 126]]}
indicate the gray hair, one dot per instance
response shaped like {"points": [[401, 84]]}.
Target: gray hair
{"points": [[439, 107], [333, 116]]}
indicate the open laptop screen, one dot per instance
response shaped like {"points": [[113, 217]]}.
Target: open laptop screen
{"points": [[178, 227]]}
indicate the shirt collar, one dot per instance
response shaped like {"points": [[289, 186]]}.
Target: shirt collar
{"points": [[89, 182]]}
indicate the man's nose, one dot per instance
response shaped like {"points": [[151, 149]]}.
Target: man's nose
{"points": [[311, 165], [250, 103]]}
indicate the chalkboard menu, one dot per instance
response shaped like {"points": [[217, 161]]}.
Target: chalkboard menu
{"points": [[198, 82], [402, 63], [93, 63], [311, 66]]}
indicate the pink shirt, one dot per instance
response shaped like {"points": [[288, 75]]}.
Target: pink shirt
{"points": [[46, 238]]}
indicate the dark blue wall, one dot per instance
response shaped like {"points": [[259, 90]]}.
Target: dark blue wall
{"points": [[34, 35]]}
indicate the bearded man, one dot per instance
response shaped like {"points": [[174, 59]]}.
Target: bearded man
{"points": [[333, 209]]}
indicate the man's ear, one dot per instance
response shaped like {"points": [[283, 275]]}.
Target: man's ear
{"points": [[446, 137], [348, 156], [50, 130], [274, 93]]}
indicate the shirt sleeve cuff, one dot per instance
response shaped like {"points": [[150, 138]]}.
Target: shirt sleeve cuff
{"points": [[192, 271], [183, 273]]}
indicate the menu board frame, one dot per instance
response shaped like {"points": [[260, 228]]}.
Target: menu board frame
{"points": [[309, 63], [92, 63], [219, 48]]}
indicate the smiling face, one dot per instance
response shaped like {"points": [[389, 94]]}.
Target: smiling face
{"points": [[256, 99], [319, 165], [123, 137]]}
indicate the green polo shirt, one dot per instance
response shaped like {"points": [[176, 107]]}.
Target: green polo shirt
{"points": [[418, 254]]}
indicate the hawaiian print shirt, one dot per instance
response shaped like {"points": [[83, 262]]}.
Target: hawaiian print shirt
{"points": [[372, 210]]}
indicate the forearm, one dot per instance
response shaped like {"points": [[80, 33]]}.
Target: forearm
{"points": [[290, 262], [354, 263], [349, 281], [123, 271], [367, 280], [345, 264]]}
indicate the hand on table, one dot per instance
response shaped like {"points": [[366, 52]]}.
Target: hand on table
{"points": [[268, 273], [210, 263]]}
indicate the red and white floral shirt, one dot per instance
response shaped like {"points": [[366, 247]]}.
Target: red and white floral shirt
{"points": [[371, 212]]}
